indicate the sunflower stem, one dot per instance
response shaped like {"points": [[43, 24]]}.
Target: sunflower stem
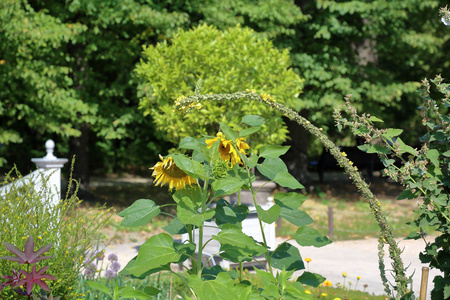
{"points": [[241, 264], [200, 230]]}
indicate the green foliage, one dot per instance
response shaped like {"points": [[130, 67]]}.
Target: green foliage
{"points": [[26, 211], [234, 59], [194, 214], [424, 172], [376, 50]]}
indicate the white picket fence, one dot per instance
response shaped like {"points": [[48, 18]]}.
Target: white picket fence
{"points": [[49, 169]]}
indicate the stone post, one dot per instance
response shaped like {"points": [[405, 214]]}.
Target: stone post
{"points": [[52, 166]]}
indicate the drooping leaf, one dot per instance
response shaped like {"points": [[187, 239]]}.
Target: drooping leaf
{"points": [[289, 210], [270, 167], [311, 279], [248, 131], [291, 200], [188, 213], [269, 216], [158, 251], [222, 288], [287, 256], [273, 151], [226, 186], [139, 213], [230, 134], [193, 194], [175, 227], [189, 166], [285, 179], [253, 120], [307, 236]]}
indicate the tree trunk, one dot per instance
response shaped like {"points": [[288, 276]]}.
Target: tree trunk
{"points": [[296, 158], [79, 146]]}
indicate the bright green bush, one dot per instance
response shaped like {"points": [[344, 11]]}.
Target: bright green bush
{"points": [[230, 60], [25, 211]]}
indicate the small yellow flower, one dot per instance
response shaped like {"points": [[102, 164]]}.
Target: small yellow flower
{"points": [[324, 295], [308, 292], [327, 283], [308, 259], [358, 277], [356, 168], [337, 298], [344, 274], [344, 154]]}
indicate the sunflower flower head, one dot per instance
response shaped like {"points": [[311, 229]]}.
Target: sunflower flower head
{"points": [[227, 151], [166, 171]]}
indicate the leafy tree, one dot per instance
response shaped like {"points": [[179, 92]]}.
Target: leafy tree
{"points": [[376, 50], [230, 60], [66, 71]]}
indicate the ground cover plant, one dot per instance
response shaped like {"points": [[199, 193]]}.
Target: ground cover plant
{"points": [[27, 212]]}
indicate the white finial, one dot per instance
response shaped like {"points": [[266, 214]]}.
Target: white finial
{"points": [[50, 146]]}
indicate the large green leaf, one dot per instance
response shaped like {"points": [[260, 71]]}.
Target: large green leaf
{"points": [[175, 227], [193, 194], [248, 131], [226, 186], [273, 151], [130, 292], [156, 252], [139, 213], [226, 214], [269, 216], [230, 134], [189, 166], [433, 156], [307, 236], [253, 120], [287, 257], [289, 210], [222, 288], [285, 179], [291, 200], [188, 213], [270, 167], [232, 238], [311, 279]]}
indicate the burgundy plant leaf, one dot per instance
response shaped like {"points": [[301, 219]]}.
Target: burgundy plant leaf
{"points": [[12, 279], [35, 277], [28, 256]]}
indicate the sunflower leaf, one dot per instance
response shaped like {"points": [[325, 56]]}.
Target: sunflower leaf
{"points": [[229, 132], [189, 166], [139, 213], [253, 120]]}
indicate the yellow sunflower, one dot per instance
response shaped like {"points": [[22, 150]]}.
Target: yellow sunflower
{"points": [[166, 171], [227, 151]]}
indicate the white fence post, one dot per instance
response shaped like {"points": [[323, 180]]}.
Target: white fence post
{"points": [[52, 166]]}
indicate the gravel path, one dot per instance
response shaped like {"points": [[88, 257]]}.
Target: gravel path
{"points": [[356, 258]]}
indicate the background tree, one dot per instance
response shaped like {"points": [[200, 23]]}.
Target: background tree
{"points": [[230, 60], [65, 67], [376, 50], [65, 73]]}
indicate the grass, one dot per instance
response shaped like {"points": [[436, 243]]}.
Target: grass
{"points": [[352, 220]]}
